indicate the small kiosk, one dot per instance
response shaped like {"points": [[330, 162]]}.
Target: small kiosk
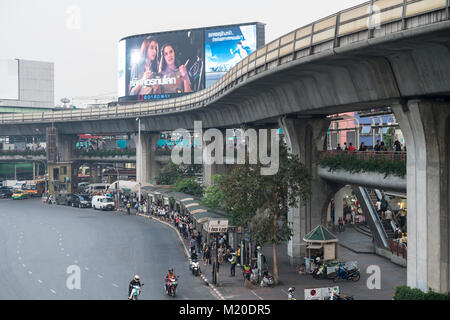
{"points": [[320, 242]]}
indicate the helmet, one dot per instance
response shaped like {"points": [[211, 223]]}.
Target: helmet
{"points": [[317, 259], [291, 289], [136, 277]]}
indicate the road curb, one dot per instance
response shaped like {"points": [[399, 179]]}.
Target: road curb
{"points": [[186, 252]]}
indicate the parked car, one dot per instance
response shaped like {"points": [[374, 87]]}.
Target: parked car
{"points": [[6, 192], [19, 195], [102, 203], [80, 201]]}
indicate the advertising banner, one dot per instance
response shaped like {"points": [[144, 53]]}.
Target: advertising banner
{"points": [[170, 64], [166, 65], [225, 47]]}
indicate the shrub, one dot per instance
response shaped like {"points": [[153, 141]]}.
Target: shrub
{"points": [[407, 293]]}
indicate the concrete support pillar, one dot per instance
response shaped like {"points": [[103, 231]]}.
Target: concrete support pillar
{"points": [[305, 137], [210, 170], [147, 160], [339, 205], [426, 127]]}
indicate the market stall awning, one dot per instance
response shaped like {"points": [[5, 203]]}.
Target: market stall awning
{"points": [[320, 234]]}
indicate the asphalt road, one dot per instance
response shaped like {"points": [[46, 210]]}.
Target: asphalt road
{"points": [[41, 246]]}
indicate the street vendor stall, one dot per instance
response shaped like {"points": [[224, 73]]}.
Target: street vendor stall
{"points": [[320, 243]]}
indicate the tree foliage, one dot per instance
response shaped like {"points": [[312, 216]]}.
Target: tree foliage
{"points": [[260, 203], [213, 197], [188, 186]]}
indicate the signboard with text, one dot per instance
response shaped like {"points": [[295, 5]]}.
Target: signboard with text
{"points": [[217, 225]]}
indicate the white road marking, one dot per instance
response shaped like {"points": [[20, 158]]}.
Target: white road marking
{"points": [[256, 295], [39, 281], [53, 291], [86, 268], [67, 255], [115, 285], [29, 272], [24, 265], [100, 276]]}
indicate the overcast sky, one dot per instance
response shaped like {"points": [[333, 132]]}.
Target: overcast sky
{"points": [[81, 37]]}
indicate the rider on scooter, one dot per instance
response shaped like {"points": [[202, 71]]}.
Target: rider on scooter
{"points": [[135, 282], [167, 278]]}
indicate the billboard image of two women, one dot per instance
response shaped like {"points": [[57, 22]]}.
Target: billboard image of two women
{"points": [[161, 66]]}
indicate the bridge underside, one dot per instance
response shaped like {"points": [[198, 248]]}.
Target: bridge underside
{"points": [[366, 74]]}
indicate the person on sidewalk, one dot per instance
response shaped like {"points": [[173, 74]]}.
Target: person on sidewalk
{"points": [[128, 207], [341, 224], [232, 261]]}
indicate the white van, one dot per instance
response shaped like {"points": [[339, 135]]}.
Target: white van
{"points": [[102, 203]]}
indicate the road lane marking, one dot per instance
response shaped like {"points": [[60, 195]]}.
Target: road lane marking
{"points": [[256, 295], [24, 265], [29, 272], [115, 285], [100, 276], [39, 281], [53, 291]]}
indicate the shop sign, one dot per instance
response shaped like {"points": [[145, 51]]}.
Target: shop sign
{"points": [[320, 293], [217, 225]]}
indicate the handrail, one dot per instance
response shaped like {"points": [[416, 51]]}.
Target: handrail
{"points": [[295, 45], [375, 217]]}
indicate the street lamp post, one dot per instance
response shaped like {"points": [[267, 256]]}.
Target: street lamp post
{"points": [[140, 157]]}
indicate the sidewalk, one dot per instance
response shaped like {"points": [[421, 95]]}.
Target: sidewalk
{"points": [[232, 288]]}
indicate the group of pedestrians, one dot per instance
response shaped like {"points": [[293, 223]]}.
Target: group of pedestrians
{"points": [[378, 147]]}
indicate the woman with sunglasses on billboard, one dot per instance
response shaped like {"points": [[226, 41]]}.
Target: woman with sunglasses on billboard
{"points": [[146, 69], [175, 79]]}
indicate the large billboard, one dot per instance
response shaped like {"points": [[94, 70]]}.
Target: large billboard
{"points": [[225, 47], [170, 64]]}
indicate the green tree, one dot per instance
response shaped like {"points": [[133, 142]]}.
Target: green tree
{"points": [[260, 203], [168, 174], [189, 186], [213, 194]]}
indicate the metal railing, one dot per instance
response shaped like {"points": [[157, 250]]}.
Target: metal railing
{"points": [[365, 155], [321, 35]]}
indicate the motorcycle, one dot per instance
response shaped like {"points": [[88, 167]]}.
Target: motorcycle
{"points": [[320, 272], [194, 266], [346, 274], [172, 284], [336, 296], [135, 292], [291, 293], [267, 280]]}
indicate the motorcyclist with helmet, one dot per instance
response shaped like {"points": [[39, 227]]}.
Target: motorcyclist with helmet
{"points": [[169, 275], [135, 282]]}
